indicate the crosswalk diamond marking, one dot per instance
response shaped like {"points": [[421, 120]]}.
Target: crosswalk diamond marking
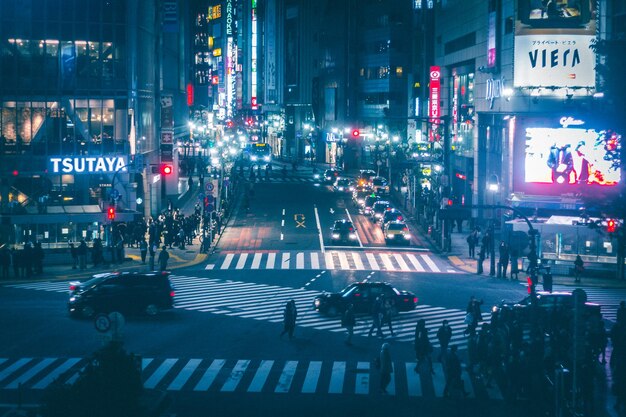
{"points": [[235, 376], [286, 377], [312, 376], [26, 376], [184, 375], [260, 377], [209, 375], [336, 378], [271, 260], [49, 378], [160, 373]]}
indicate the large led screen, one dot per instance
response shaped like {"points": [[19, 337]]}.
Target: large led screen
{"points": [[571, 155]]}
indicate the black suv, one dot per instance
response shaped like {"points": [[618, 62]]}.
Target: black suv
{"points": [[343, 231], [124, 292], [362, 296], [547, 303]]}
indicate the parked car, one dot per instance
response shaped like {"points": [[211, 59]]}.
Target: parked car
{"points": [[343, 232], [362, 296], [124, 292], [378, 209], [331, 175], [380, 185], [390, 215], [397, 232], [344, 185]]}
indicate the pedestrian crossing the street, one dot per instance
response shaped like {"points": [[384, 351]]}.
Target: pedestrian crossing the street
{"points": [[251, 376], [262, 302], [332, 260]]}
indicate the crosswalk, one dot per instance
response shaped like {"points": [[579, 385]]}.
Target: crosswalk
{"points": [[252, 376], [287, 179], [263, 302], [332, 260]]}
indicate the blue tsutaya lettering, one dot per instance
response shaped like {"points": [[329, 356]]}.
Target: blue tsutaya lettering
{"points": [[88, 164], [553, 59]]}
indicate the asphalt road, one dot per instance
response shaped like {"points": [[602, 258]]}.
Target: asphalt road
{"points": [[221, 349]]}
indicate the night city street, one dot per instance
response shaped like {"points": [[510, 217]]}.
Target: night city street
{"points": [[312, 208]]}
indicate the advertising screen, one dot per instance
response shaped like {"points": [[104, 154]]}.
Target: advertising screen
{"points": [[555, 13], [571, 156]]}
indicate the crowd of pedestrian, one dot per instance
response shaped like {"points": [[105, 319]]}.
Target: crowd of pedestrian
{"points": [[25, 262]]}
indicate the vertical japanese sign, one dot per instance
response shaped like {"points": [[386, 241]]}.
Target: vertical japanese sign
{"points": [[434, 110]]}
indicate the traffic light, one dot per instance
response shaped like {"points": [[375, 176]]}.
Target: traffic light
{"points": [[610, 226], [166, 169], [356, 133], [111, 213]]}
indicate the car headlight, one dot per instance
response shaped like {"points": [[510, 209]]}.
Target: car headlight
{"points": [[316, 176], [389, 236], [351, 188], [378, 215], [407, 236], [352, 235], [266, 158], [317, 303], [360, 201], [253, 158], [335, 235], [72, 299]]}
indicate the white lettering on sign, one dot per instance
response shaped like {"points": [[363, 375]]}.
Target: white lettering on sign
{"points": [[88, 164], [570, 121], [494, 90]]}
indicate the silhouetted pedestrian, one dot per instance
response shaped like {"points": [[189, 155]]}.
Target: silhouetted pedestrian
{"points": [[472, 240], [16, 260], [290, 314], [349, 321], [82, 255], [503, 262], [377, 317], [143, 250], [444, 334], [385, 367], [579, 268], [74, 255], [164, 256]]}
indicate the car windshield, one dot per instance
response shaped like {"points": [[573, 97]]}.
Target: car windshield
{"points": [[379, 181], [396, 226]]}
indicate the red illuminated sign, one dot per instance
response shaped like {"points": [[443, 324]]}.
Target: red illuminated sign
{"points": [[434, 110], [189, 95], [215, 80]]}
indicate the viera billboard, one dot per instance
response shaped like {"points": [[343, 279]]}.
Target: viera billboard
{"points": [[553, 45]]}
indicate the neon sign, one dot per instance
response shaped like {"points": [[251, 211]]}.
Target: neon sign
{"points": [[91, 164]]}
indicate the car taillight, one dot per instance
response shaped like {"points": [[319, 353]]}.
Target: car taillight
{"points": [[414, 300], [357, 294], [72, 287], [172, 294]]}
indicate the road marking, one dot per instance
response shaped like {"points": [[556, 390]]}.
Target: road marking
{"points": [[26, 376], [55, 373], [209, 266], [362, 383], [356, 232], [209, 375], [456, 261], [400, 261], [227, 261], [343, 260], [357, 261], [430, 263], [184, 374], [330, 264], [285, 262], [372, 260], [387, 262], [160, 372], [319, 229], [415, 262], [312, 376], [286, 377], [315, 261], [439, 381], [17, 365], [242, 261], [300, 260], [271, 260], [145, 362], [235, 376], [256, 261], [336, 378], [413, 381], [260, 377]]}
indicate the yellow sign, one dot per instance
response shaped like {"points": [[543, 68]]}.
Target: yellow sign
{"points": [[215, 12], [217, 52], [426, 171], [299, 218]]}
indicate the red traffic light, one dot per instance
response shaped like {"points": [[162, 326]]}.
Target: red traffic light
{"points": [[166, 169], [610, 226], [356, 133], [111, 213]]}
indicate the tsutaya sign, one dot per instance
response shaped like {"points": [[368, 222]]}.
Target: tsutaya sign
{"points": [[88, 164]]}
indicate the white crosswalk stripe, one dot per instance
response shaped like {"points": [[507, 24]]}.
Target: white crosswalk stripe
{"points": [[374, 261], [266, 302], [266, 375]]}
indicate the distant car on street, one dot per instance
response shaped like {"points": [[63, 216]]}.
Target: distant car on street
{"points": [[343, 185], [365, 177], [378, 209], [548, 303], [390, 215], [369, 203], [331, 175], [359, 196], [380, 185], [362, 296], [343, 232], [397, 232], [124, 292]]}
